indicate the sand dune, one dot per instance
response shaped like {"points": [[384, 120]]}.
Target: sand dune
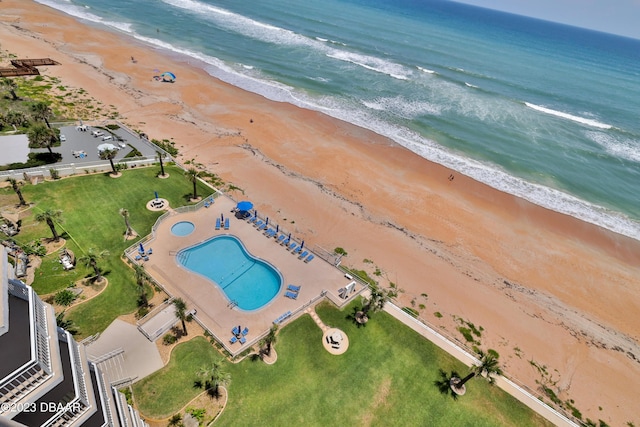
{"points": [[545, 287]]}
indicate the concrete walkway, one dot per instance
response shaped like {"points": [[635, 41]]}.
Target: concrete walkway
{"points": [[125, 352], [467, 358]]}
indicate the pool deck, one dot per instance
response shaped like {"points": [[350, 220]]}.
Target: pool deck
{"points": [[213, 309]]}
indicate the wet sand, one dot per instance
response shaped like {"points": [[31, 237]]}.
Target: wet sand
{"points": [[544, 287]]}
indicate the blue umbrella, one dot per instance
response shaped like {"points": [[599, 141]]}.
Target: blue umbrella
{"points": [[222, 217], [277, 228], [156, 193], [244, 206], [302, 245], [267, 221], [141, 249], [289, 238]]}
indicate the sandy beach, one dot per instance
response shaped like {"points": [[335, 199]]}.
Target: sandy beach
{"points": [[546, 288]]}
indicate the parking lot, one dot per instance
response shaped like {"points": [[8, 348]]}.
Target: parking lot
{"points": [[79, 144]]}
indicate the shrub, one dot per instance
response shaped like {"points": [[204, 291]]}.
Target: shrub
{"points": [[169, 339], [54, 173], [64, 297], [340, 251]]}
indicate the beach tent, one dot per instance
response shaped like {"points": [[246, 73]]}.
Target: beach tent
{"points": [[103, 147], [168, 77]]}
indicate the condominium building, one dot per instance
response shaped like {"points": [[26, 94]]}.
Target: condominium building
{"points": [[45, 377]]}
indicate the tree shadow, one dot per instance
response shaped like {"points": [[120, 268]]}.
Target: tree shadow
{"points": [[443, 383], [353, 317]]}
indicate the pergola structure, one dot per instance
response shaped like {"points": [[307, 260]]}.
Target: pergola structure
{"points": [[26, 67]]}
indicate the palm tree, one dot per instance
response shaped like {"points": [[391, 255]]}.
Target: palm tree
{"points": [[41, 111], [181, 312], [41, 136], [375, 302], [269, 340], [109, 154], [15, 118], [91, 260], [16, 188], [213, 376], [11, 87], [65, 324], [141, 278], [489, 366], [49, 216], [192, 175], [125, 214], [160, 156]]}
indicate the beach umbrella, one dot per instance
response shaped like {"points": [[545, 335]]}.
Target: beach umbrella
{"points": [[141, 249], [277, 228], [267, 221], [168, 77], [302, 245], [156, 193], [222, 217], [289, 238], [244, 205]]}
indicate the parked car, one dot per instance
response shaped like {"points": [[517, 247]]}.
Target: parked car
{"points": [[63, 138]]}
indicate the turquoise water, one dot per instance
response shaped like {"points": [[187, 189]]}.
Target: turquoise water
{"points": [[249, 282], [543, 111], [182, 228]]}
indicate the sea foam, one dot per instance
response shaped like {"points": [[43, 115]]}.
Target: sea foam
{"points": [[568, 116]]}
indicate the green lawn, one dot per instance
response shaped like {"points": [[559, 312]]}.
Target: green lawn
{"points": [[91, 219], [385, 378]]}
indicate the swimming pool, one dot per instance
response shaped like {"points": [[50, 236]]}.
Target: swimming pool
{"points": [[244, 279], [182, 228]]}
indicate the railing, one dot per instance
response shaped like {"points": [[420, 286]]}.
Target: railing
{"points": [[103, 390], [38, 369]]}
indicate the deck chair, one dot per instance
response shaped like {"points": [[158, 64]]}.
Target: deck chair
{"points": [[291, 295], [294, 288]]}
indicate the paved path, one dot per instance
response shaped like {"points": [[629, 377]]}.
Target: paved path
{"points": [[312, 312], [139, 356]]}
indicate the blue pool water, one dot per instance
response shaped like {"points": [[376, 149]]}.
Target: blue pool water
{"points": [[182, 228], [248, 281]]}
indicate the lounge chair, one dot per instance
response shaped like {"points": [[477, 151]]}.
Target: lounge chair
{"points": [[309, 258], [251, 219], [259, 223], [294, 288], [236, 330], [262, 227], [150, 251], [336, 346], [243, 340], [138, 257], [297, 250], [233, 339], [270, 232], [226, 223], [207, 204], [217, 223], [291, 295], [292, 246], [285, 242], [281, 238], [303, 254], [146, 258], [245, 331]]}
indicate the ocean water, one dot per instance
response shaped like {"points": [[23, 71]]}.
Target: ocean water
{"points": [[540, 110]]}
